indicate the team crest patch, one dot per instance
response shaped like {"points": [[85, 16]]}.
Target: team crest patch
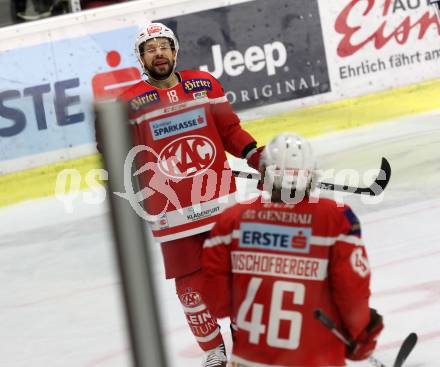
{"points": [[191, 298], [186, 157], [196, 85], [143, 100]]}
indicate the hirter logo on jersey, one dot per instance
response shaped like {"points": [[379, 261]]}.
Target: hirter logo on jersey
{"points": [[178, 124], [187, 156], [196, 85], [143, 100]]}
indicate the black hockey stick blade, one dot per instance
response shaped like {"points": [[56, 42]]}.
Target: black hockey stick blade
{"points": [[436, 5], [406, 348], [376, 188], [248, 175]]}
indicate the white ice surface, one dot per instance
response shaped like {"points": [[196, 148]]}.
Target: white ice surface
{"points": [[60, 296]]}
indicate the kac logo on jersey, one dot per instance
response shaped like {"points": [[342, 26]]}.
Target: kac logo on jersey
{"points": [[187, 156], [191, 298], [178, 124], [143, 100], [196, 85], [275, 237]]}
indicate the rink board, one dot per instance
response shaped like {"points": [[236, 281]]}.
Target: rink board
{"points": [[41, 181], [283, 68]]}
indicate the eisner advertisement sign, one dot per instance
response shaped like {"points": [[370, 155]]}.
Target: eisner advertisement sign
{"points": [[261, 51], [372, 45]]}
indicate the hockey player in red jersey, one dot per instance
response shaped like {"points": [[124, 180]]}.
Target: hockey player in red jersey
{"points": [[272, 263], [184, 125]]}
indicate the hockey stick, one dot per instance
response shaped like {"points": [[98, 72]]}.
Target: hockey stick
{"points": [[376, 188], [407, 346], [329, 324], [404, 351], [437, 7]]}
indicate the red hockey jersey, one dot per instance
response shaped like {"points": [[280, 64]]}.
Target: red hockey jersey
{"points": [[185, 131], [268, 266]]}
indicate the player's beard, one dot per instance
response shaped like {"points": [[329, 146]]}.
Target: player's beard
{"points": [[161, 72]]}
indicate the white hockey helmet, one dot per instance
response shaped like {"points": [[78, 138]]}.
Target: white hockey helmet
{"points": [[154, 30], [289, 162]]}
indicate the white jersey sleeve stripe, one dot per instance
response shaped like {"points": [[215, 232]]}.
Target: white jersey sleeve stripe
{"points": [[354, 240], [322, 241], [218, 100], [195, 309], [330, 241]]}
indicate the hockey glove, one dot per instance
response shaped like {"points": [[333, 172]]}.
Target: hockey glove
{"points": [[365, 343], [253, 158]]}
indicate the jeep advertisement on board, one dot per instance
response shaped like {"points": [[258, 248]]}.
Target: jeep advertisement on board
{"points": [[262, 52]]}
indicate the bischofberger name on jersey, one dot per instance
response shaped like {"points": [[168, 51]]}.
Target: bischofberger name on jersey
{"points": [[144, 100], [282, 265], [275, 237], [178, 124], [196, 85]]}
